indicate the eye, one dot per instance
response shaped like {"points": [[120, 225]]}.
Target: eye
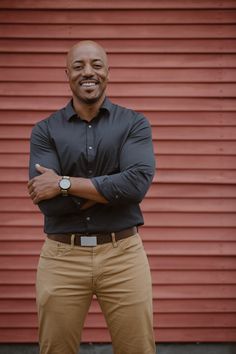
{"points": [[78, 67], [97, 66]]}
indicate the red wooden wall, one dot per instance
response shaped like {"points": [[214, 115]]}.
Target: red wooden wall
{"points": [[175, 61]]}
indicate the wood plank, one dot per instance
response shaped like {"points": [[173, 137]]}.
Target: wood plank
{"points": [[161, 306], [157, 248], [19, 335], [16, 204], [10, 132], [175, 147], [117, 89], [194, 292], [157, 190], [159, 277], [162, 147], [193, 306], [21, 219], [111, 16], [117, 31], [122, 4], [171, 162], [24, 335], [183, 277], [25, 262], [138, 104], [164, 118], [164, 320], [197, 133], [148, 205], [162, 205], [188, 248], [164, 292], [170, 219], [198, 320], [190, 162], [175, 190], [125, 45], [169, 118], [29, 262], [216, 335], [21, 306], [216, 163], [220, 177], [24, 233], [120, 60], [167, 234], [13, 146], [11, 117], [117, 75]]}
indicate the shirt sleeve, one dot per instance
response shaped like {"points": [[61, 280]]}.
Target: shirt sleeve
{"points": [[137, 167], [44, 153]]}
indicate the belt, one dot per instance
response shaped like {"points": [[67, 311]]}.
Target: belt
{"points": [[92, 239]]}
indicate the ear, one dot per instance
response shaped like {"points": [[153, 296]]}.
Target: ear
{"points": [[67, 73]]}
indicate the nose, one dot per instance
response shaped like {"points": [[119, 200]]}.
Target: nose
{"points": [[88, 70]]}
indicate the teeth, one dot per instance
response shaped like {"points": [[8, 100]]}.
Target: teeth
{"points": [[88, 84]]}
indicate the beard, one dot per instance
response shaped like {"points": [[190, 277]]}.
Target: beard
{"points": [[90, 100]]}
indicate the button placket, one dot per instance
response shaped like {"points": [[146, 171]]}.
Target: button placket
{"points": [[90, 149]]}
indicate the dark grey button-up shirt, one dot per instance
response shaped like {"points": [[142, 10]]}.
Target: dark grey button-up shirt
{"points": [[114, 150]]}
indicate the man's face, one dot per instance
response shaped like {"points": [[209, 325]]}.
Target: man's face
{"points": [[87, 71]]}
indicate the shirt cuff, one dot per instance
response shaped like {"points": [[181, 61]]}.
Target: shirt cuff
{"points": [[106, 188]]}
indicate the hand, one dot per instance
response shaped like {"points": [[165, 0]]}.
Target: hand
{"points": [[45, 186]]}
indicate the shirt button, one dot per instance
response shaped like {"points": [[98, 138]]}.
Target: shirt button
{"points": [[88, 218], [117, 196], [90, 172], [90, 147], [89, 126]]}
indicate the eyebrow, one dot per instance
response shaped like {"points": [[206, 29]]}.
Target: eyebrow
{"points": [[81, 61]]}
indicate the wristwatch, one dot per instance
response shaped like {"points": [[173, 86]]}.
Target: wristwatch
{"points": [[65, 185]]}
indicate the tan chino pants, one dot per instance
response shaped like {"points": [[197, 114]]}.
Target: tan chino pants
{"points": [[118, 274]]}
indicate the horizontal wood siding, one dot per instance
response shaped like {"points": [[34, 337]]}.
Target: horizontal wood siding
{"points": [[176, 62]]}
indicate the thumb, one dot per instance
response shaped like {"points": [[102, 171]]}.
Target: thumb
{"points": [[40, 168]]}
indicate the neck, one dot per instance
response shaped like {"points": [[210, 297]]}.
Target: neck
{"points": [[87, 111]]}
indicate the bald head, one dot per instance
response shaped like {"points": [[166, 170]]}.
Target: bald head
{"points": [[84, 47]]}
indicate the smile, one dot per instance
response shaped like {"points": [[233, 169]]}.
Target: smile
{"points": [[88, 84]]}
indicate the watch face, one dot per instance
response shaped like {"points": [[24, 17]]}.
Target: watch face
{"points": [[65, 183]]}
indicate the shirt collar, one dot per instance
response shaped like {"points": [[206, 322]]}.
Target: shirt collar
{"points": [[70, 112]]}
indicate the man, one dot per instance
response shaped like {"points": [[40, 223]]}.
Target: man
{"points": [[91, 164]]}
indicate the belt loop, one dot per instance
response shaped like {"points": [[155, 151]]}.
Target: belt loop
{"points": [[113, 237], [72, 240]]}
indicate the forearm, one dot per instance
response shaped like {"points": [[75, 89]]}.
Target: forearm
{"points": [[125, 187], [84, 188], [59, 206]]}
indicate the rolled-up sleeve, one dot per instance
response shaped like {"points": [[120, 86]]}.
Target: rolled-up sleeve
{"points": [[137, 167], [44, 153]]}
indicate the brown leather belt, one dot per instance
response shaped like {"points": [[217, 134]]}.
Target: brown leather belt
{"points": [[92, 239]]}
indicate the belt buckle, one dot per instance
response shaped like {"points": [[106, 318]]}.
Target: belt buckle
{"points": [[88, 241]]}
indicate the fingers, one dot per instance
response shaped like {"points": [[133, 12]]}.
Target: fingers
{"points": [[44, 186], [41, 169], [32, 191]]}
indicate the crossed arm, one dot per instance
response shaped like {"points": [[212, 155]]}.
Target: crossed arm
{"points": [[46, 186], [137, 166]]}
